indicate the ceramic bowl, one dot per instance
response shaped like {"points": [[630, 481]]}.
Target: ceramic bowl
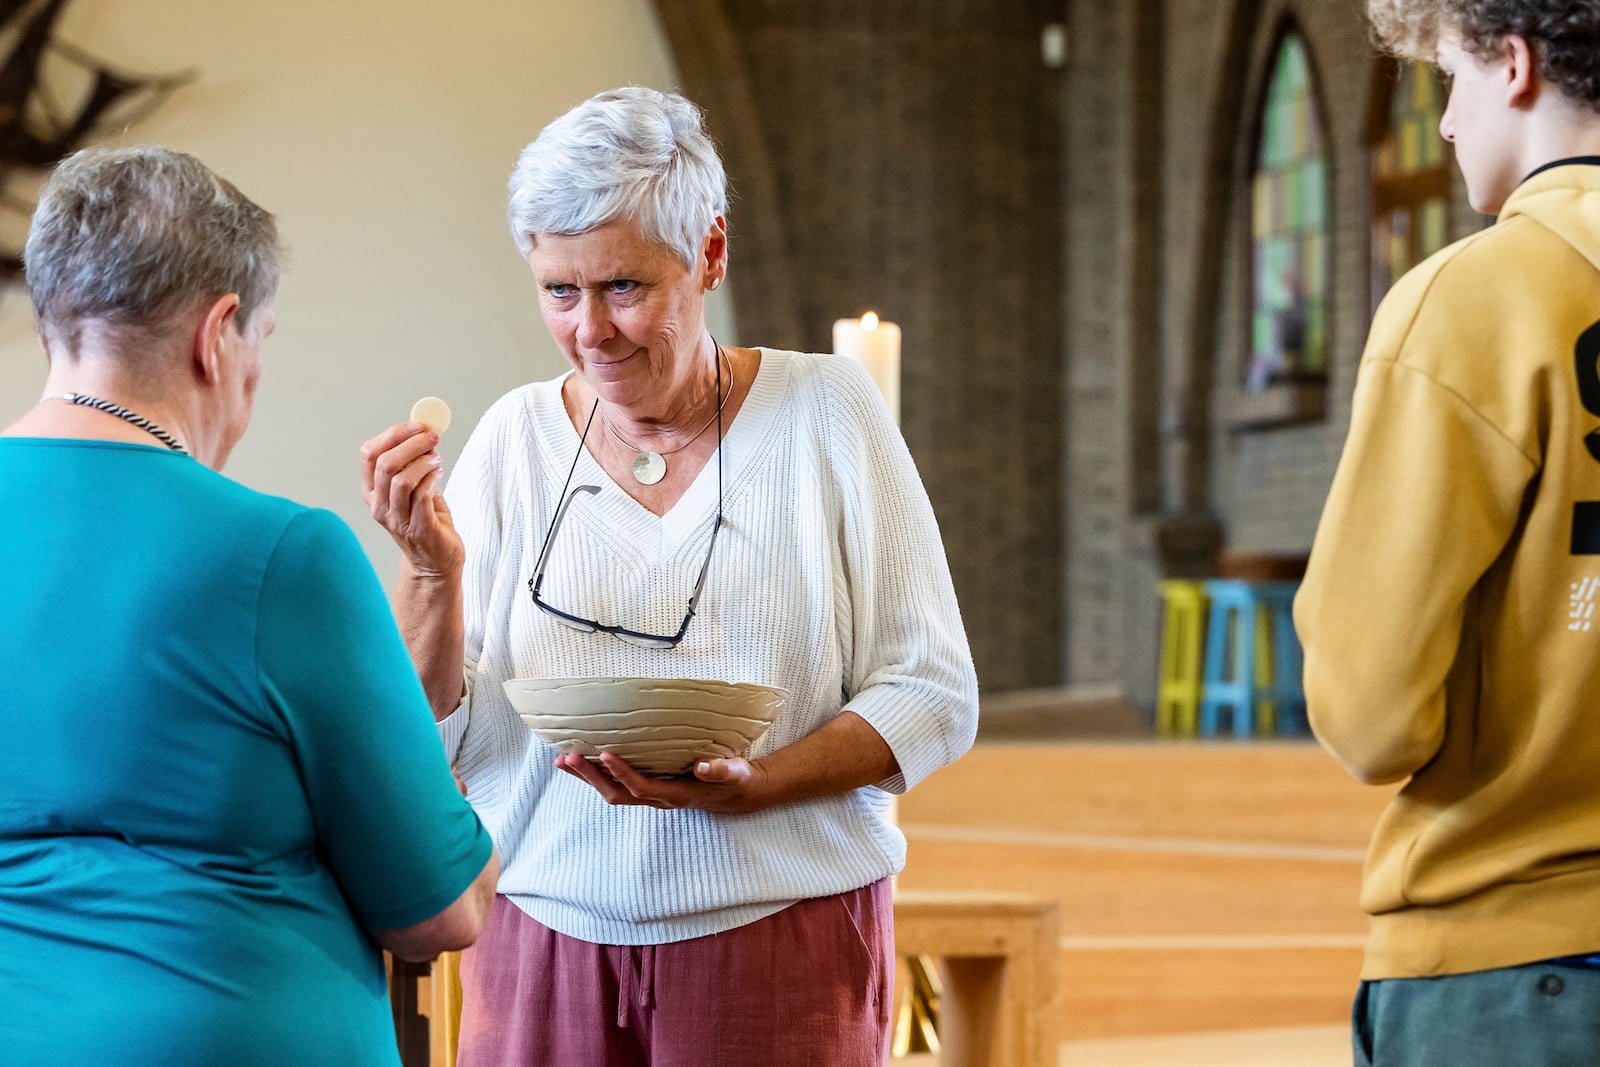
{"points": [[658, 725]]}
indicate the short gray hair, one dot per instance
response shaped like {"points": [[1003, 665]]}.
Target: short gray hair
{"points": [[632, 153], [127, 237]]}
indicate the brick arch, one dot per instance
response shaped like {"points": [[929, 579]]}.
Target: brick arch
{"points": [[1256, 27], [1192, 386], [716, 76], [1189, 533]]}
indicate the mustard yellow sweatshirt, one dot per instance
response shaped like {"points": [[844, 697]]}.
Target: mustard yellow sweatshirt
{"points": [[1449, 611]]}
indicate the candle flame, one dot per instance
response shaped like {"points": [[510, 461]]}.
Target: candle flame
{"points": [[869, 321]]}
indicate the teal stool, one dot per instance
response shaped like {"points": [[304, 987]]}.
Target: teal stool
{"points": [[1253, 659], [1283, 692]]}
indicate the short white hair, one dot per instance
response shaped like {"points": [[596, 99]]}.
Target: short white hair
{"points": [[632, 153]]}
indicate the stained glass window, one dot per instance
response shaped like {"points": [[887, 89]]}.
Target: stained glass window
{"points": [[1289, 227], [1411, 174]]}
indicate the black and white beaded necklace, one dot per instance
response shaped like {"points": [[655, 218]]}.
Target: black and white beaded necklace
{"points": [[125, 415]]}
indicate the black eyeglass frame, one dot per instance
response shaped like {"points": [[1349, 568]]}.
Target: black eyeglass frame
{"points": [[663, 642]]}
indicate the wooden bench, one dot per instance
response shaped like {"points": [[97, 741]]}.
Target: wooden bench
{"points": [[425, 999], [998, 955]]}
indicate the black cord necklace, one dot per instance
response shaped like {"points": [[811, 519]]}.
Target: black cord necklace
{"points": [[649, 464], [125, 415]]}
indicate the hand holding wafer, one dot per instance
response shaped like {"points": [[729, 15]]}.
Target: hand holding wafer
{"points": [[401, 474]]}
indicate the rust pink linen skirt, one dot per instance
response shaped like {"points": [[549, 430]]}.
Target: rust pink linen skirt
{"points": [[809, 986]]}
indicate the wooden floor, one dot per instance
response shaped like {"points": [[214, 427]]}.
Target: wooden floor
{"points": [[1313, 1046], [1203, 886]]}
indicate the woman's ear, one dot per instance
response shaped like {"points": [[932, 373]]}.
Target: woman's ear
{"points": [[715, 253], [210, 335]]}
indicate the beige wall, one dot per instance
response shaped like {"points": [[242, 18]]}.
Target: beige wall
{"points": [[381, 135]]}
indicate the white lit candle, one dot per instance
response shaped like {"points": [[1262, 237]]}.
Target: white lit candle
{"points": [[877, 345]]}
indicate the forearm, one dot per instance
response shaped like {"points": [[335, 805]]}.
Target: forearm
{"points": [[453, 929], [845, 754], [428, 610]]}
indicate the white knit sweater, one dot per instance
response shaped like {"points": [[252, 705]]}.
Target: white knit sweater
{"points": [[829, 579]]}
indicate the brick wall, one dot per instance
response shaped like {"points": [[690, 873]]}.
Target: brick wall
{"points": [[914, 155], [1098, 135]]}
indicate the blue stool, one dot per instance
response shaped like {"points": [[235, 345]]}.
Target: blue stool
{"points": [[1252, 659]]}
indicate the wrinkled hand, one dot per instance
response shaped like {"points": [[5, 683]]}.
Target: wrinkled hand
{"points": [[726, 786], [400, 476]]}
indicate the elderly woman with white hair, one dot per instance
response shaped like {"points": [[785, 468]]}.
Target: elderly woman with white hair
{"points": [[739, 913], [220, 788]]}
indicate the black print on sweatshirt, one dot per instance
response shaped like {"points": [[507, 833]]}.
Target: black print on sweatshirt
{"points": [[1586, 513]]}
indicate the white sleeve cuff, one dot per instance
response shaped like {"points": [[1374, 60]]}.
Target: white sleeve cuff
{"points": [[925, 726], [453, 727]]}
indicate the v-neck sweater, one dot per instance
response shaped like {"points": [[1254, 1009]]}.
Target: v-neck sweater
{"points": [[828, 579]]}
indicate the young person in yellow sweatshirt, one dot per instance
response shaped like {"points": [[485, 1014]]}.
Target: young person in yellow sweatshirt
{"points": [[1449, 611]]}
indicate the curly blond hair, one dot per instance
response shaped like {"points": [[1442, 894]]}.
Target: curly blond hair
{"points": [[1405, 28], [1564, 34]]}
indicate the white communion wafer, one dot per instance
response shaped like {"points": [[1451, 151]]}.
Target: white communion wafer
{"points": [[432, 413]]}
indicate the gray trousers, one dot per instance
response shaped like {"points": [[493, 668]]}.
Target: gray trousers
{"points": [[1536, 1015]]}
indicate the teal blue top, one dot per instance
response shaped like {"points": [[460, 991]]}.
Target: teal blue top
{"points": [[217, 770]]}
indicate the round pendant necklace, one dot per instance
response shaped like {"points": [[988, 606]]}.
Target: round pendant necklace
{"points": [[125, 415], [649, 465]]}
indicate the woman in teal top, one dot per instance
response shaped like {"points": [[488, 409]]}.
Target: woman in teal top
{"points": [[221, 789]]}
